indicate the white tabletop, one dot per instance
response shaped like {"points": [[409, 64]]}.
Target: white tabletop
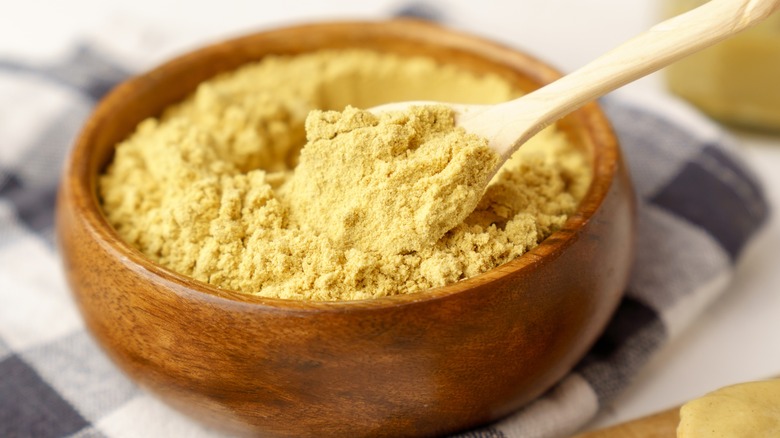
{"points": [[733, 341]]}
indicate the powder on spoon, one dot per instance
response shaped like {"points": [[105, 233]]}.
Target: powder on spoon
{"points": [[747, 409], [393, 183]]}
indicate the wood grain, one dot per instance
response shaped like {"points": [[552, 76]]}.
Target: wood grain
{"points": [[413, 365], [660, 425]]}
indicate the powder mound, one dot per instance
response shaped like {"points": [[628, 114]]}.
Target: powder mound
{"points": [[213, 188], [391, 183]]}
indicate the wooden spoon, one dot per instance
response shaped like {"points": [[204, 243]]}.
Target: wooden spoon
{"points": [[508, 125]]}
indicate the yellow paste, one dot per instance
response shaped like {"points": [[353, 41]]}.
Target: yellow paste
{"points": [[211, 190], [747, 410]]}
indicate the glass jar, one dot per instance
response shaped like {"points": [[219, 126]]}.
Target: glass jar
{"points": [[736, 81]]}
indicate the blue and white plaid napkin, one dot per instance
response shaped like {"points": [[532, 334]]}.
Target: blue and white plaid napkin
{"points": [[698, 208]]}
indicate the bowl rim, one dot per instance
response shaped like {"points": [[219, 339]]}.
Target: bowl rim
{"points": [[82, 186]]}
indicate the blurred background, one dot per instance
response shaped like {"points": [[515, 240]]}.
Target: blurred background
{"points": [[567, 33], [724, 346]]}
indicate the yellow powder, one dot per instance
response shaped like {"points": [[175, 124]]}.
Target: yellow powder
{"points": [[390, 184], [208, 189]]}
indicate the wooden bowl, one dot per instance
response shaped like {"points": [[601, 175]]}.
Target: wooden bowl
{"points": [[414, 365]]}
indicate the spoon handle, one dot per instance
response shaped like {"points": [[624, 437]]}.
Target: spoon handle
{"points": [[509, 125]]}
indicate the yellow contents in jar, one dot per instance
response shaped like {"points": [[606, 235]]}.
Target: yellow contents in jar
{"points": [[737, 80]]}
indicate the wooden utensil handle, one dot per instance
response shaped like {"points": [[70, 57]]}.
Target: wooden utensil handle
{"points": [[660, 425], [658, 47]]}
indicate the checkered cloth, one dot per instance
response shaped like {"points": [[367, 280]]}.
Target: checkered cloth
{"points": [[698, 208]]}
